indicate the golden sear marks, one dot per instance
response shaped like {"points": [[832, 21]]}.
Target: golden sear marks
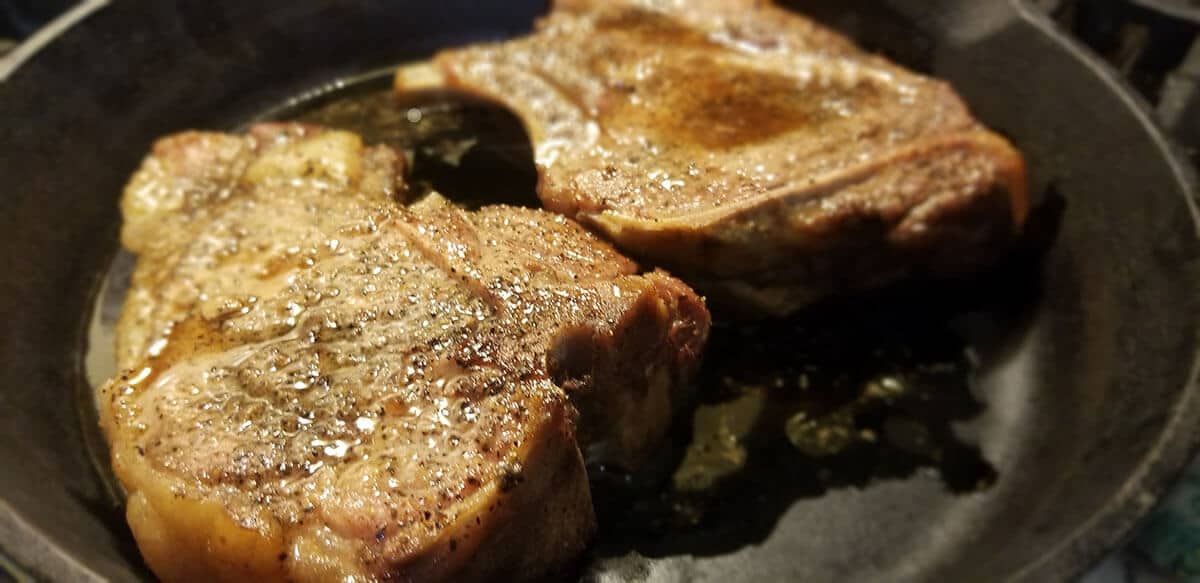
{"points": [[359, 386]]}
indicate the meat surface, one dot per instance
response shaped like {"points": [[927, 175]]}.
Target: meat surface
{"points": [[753, 153], [323, 384]]}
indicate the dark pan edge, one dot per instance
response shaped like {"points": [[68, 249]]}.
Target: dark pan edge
{"points": [[29, 552], [24, 548], [35, 557], [1180, 438]]}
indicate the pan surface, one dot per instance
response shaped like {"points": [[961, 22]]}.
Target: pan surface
{"points": [[1045, 403]]}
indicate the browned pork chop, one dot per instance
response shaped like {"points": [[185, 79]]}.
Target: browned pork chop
{"points": [[747, 149], [322, 384]]}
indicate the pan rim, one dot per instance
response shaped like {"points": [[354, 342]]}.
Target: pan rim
{"points": [[1179, 441]]}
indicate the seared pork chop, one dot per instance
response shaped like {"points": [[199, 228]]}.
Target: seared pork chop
{"points": [[755, 154], [322, 384]]}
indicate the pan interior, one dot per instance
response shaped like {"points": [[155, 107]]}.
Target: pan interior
{"points": [[860, 403]]}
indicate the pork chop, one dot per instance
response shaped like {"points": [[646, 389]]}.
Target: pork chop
{"points": [[322, 384], [753, 153]]}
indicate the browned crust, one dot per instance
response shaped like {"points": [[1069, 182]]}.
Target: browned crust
{"points": [[523, 529], [803, 236], [203, 506]]}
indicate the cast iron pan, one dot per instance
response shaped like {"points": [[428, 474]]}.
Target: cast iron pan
{"points": [[1055, 395]]}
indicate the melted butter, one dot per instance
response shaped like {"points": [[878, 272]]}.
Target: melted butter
{"points": [[730, 105], [650, 27], [182, 340], [821, 436], [792, 408], [726, 104], [718, 446]]}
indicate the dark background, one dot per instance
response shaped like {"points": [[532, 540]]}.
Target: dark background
{"points": [[20, 18]]}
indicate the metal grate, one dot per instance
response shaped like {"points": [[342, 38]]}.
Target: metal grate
{"points": [[1154, 44]]}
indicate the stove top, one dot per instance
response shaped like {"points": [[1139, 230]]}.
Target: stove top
{"points": [[1153, 43]]}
